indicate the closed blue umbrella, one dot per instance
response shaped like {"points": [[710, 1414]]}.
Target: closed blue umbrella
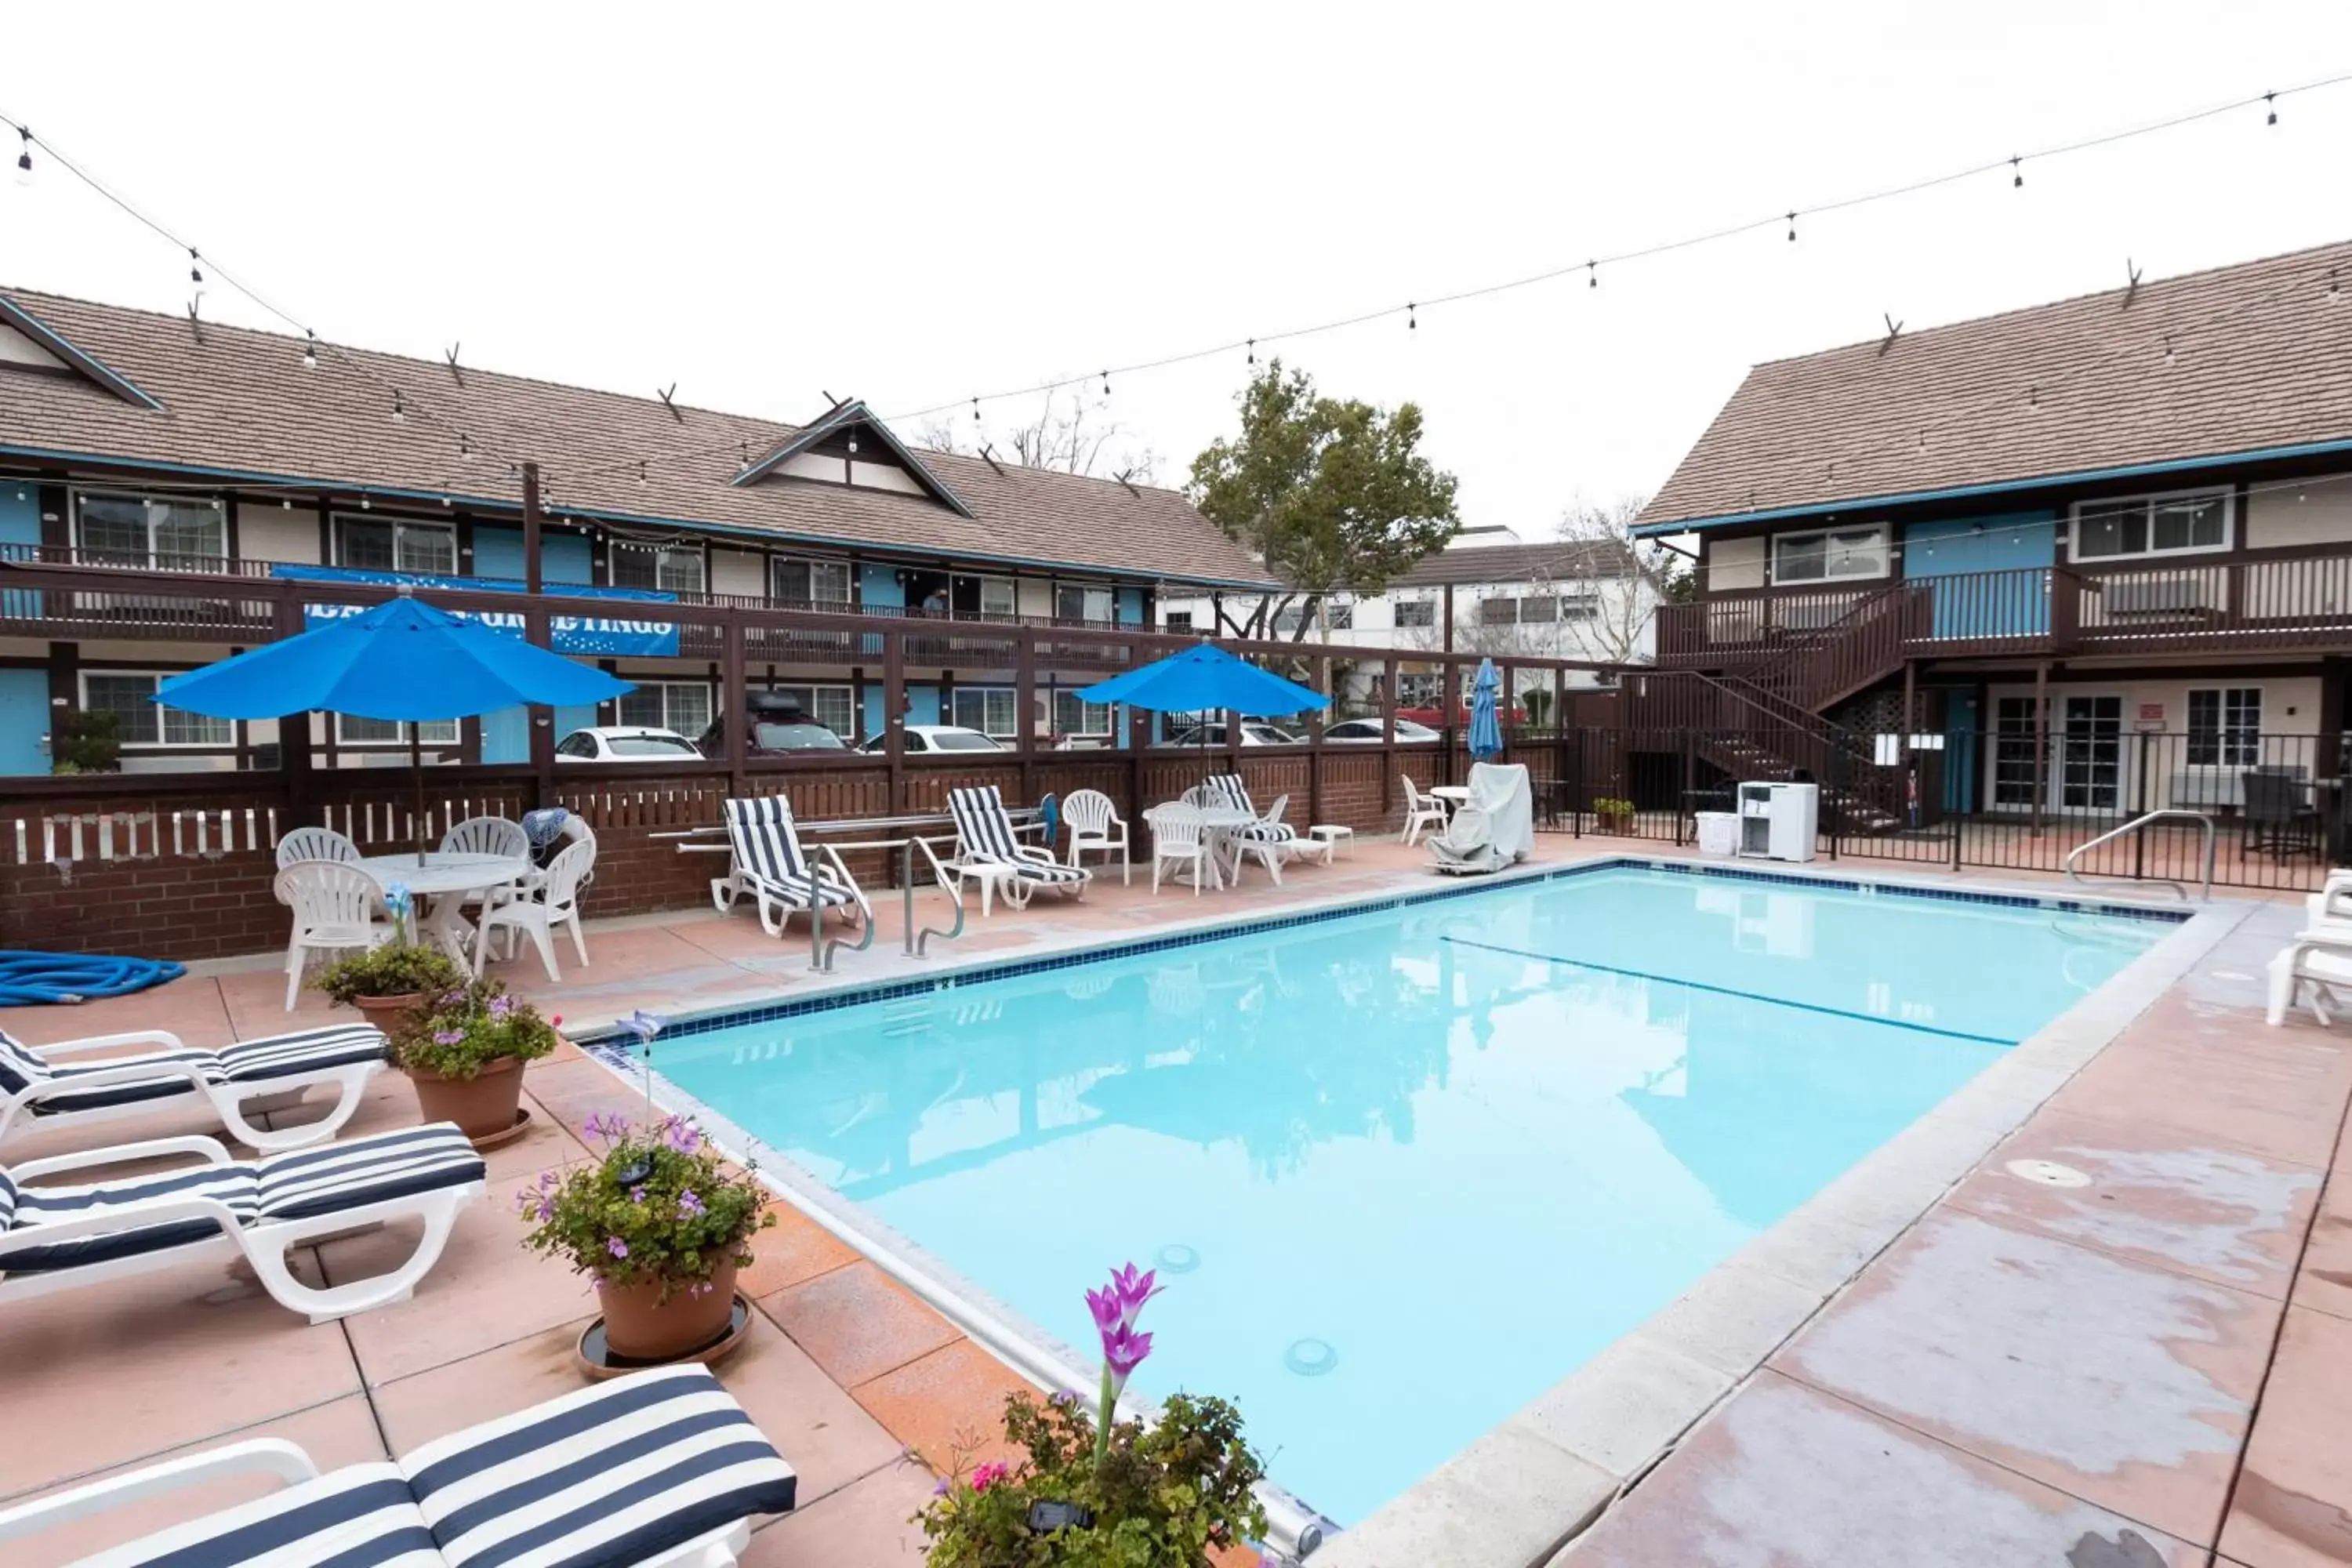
{"points": [[1486, 728]]}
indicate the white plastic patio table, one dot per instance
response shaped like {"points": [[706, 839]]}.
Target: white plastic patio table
{"points": [[1452, 794], [1221, 822], [447, 879]]}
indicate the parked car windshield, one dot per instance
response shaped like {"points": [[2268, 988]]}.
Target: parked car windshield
{"points": [[962, 741], [803, 736], [650, 746]]}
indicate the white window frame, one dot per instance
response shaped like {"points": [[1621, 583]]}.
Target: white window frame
{"points": [[1088, 590], [805, 692], [2226, 495], [1088, 712], [1012, 595], [669, 719], [431, 732], [663, 556], [159, 739], [1177, 621], [2234, 744], [1879, 541], [1426, 609], [218, 508], [399, 525], [815, 565], [1010, 729]]}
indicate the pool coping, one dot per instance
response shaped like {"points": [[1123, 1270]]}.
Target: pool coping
{"points": [[1527, 1487]]}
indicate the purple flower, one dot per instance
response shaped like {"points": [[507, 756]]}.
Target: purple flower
{"points": [[546, 1211], [681, 1135], [502, 1006], [1132, 1289], [942, 1487], [1123, 1350], [620, 1248], [700, 1287], [1105, 1308], [527, 1200], [546, 1181], [688, 1205], [1061, 1398], [448, 1037], [636, 1194], [611, 1129]]}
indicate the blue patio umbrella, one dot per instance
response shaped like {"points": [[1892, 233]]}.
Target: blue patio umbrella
{"points": [[1486, 728], [402, 660], [1205, 675]]}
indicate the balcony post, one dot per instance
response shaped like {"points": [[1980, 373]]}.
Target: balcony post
{"points": [[293, 729], [2040, 741], [541, 721], [1315, 742]]}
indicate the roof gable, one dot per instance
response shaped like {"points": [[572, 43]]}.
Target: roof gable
{"points": [[834, 440], [26, 339]]}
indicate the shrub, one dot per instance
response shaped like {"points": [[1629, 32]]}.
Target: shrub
{"points": [[660, 1206], [395, 969], [85, 742], [468, 1027], [1610, 805]]}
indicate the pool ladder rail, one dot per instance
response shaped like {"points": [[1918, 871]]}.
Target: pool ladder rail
{"points": [[2142, 820]]}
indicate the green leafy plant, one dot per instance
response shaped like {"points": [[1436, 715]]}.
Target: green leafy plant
{"points": [[86, 741], [661, 1205], [395, 969], [1096, 1491], [467, 1026], [1610, 805]]}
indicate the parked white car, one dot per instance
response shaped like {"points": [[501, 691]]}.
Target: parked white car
{"points": [[626, 743], [1212, 736], [924, 737], [1366, 732]]}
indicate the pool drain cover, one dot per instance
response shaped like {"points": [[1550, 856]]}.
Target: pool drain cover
{"points": [[1177, 1259], [2048, 1172], [1310, 1358]]}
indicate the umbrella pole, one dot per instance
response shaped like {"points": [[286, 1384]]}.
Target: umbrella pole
{"points": [[416, 772]]}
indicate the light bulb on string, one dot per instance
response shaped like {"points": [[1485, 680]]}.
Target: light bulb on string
{"points": [[195, 268], [1252, 346], [25, 157], [363, 500], [2270, 101], [465, 447], [2334, 288], [853, 442], [309, 348], [1592, 274], [975, 410], [2017, 174], [1792, 229], [1412, 322], [399, 409]]}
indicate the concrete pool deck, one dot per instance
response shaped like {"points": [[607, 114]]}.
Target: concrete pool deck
{"points": [[2020, 1374]]}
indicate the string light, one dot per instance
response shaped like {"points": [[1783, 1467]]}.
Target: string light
{"points": [[2016, 174], [2334, 290], [641, 470], [399, 410], [1411, 322], [1792, 229], [975, 410], [1105, 384], [309, 348], [25, 156], [465, 447], [2271, 100], [1592, 274], [1252, 350], [2033, 398], [363, 500], [195, 270]]}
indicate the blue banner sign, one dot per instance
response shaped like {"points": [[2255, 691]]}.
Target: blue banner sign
{"points": [[583, 634]]}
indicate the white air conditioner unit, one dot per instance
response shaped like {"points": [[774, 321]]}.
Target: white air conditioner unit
{"points": [[1779, 821]]}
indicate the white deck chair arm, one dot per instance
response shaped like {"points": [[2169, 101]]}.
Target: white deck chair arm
{"points": [[1036, 852], [120, 1216], [2336, 939], [265, 1456], [164, 1037], [212, 1149]]}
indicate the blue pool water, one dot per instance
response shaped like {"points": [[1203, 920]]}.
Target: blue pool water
{"points": [[1402, 1171]]}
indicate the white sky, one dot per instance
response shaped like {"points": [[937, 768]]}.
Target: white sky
{"points": [[912, 203]]}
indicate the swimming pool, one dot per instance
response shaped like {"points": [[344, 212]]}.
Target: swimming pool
{"points": [[1402, 1169]]}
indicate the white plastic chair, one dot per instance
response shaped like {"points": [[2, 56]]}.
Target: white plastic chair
{"points": [[316, 844], [1095, 824], [1179, 838], [556, 903], [335, 907], [487, 835], [1421, 811], [2310, 970]]}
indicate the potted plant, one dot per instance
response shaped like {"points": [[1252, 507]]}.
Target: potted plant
{"points": [[1616, 816], [662, 1224], [1097, 1489], [86, 743], [386, 982], [465, 1052]]}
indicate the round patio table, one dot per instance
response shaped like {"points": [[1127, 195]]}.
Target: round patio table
{"points": [[1221, 822], [447, 880]]}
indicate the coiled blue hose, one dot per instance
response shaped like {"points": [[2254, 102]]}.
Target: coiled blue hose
{"points": [[33, 979]]}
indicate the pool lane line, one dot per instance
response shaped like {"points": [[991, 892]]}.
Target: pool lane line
{"points": [[1727, 991]]}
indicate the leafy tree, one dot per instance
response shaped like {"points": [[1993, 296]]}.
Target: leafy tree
{"points": [[1328, 493]]}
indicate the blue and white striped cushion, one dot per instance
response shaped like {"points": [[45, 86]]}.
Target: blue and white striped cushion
{"points": [[308, 1050], [611, 1475], [764, 840], [1231, 793], [362, 1517], [233, 1186], [352, 1173], [987, 835], [1266, 833], [1046, 872], [21, 1066]]}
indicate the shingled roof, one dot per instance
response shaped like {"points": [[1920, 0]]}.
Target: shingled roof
{"points": [[1548, 561], [241, 404], [2240, 360]]}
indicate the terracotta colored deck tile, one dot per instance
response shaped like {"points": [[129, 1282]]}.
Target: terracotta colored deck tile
{"points": [[256, 1003], [109, 1372], [486, 1291], [2127, 1386], [2293, 1508], [1787, 1475], [949, 1407], [2156, 1197], [792, 1251], [2324, 1284], [573, 1091], [856, 1323], [2273, 1093], [829, 1440], [864, 1525], [190, 1008], [339, 1433]]}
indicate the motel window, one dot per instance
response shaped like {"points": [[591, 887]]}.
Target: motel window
{"points": [[834, 707], [1413, 612], [152, 530], [1179, 620], [1075, 716], [1339, 618], [2185, 524], [1502, 612], [991, 709], [684, 706], [670, 568], [1833, 555], [1580, 606], [998, 597], [395, 544], [798, 581], [351, 729], [1290, 619], [139, 719], [1079, 602], [2225, 726]]}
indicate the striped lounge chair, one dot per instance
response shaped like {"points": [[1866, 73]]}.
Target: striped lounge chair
{"points": [[57, 1236], [988, 851], [769, 866], [37, 1089], [1269, 838], [659, 1469]]}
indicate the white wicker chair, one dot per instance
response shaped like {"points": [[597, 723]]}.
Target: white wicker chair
{"points": [[335, 907], [1095, 824], [316, 844], [1178, 837]]}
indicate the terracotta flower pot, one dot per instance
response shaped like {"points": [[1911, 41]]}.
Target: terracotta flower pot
{"points": [[386, 1012], [641, 1326], [482, 1106]]}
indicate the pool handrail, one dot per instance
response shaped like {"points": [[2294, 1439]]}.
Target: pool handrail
{"points": [[2137, 822]]}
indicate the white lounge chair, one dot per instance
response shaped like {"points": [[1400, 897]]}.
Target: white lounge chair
{"points": [[988, 851], [659, 1469], [768, 864], [1178, 838], [1269, 838], [1421, 812], [42, 1090], [59, 1238], [315, 843], [335, 905], [1095, 824], [2332, 901], [2309, 969], [554, 901]]}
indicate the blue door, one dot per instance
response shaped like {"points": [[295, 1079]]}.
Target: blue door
{"points": [[1960, 726], [20, 523], [24, 720], [2015, 602]]}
